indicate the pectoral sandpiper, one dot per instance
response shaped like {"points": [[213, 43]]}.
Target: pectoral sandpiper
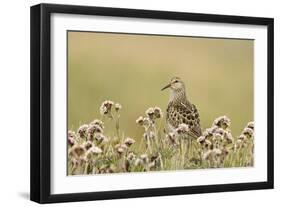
{"points": [[180, 110]]}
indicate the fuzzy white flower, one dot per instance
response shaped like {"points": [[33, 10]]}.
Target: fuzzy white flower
{"points": [[182, 129], [117, 106], [201, 139], [92, 130], [144, 158], [129, 141], [98, 122], [228, 136], [157, 113], [150, 112], [131, 156], [100, 137], [105, 107], [82, 130], [95, 150], [121, 148], [71, 138], [242, 137], [87, 145], [248, 131], [222, 121], [250, 125], [140, 120]]}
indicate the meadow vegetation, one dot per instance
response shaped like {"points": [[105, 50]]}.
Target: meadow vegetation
{"points": [[91, 150]]}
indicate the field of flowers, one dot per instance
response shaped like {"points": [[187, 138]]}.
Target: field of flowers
{"points": [[92, 151]]}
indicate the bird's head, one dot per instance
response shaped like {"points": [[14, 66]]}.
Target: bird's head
{"points": [[176, 85]]}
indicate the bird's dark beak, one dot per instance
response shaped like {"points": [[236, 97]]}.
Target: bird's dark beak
{"points": [[167, 86]]}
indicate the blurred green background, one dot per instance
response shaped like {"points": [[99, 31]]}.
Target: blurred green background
{"points": [[131, 69]]}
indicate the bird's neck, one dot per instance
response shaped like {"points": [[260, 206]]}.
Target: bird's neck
{"points": [[178, 96]]}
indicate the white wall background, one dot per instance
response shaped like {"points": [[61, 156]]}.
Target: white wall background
{"points": [[14, 101]]}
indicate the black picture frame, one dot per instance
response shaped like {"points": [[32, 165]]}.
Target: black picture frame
{"points": [[41, 99]]}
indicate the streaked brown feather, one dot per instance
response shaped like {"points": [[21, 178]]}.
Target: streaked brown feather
{"points": [[186, 113]]}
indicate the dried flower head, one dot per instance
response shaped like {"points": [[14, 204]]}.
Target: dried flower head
{"points": [[242, 137], [131, 156], [144, 158], [201, 139], [182, 129], [250, 125], [117, 106], [77, 150], [248, 132], [121, 148], [105, 107], [218, 137], [100, 138], [239, 142], [98, 122], [223, 122], [140, 120], [219, 131], [82, 130], [94, 128], [71, 137], [92, 151], [157, 113], [87, 145], [96, 150], [150, 112], [207, 144], [228, 136], [129, 141]]}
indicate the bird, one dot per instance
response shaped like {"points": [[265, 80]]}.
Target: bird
{"points": [[180, 110]]}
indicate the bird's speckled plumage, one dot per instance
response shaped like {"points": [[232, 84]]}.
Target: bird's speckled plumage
{"points": [[180, 110]]}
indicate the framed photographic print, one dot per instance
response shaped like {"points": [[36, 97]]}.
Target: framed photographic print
{"points": [[132, 103]]}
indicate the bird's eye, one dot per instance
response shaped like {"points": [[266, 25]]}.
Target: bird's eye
{"points": [[176, 81]]}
